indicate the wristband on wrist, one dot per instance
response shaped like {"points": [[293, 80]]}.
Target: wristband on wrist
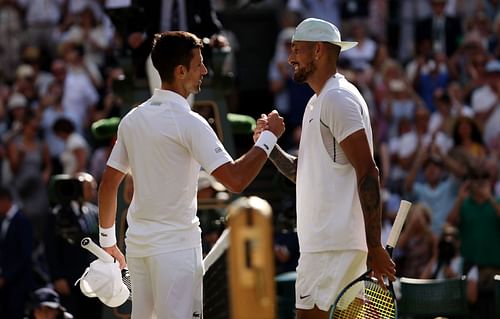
{"points": [[266, 141], [107, 236]]}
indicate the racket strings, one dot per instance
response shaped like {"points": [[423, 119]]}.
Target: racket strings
{"points": [[373, 303], [126, 281]]}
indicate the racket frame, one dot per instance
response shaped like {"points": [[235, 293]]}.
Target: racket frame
{"points": [[401, 215]]}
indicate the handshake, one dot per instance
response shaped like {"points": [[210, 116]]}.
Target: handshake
{"points": [[272, 122]]}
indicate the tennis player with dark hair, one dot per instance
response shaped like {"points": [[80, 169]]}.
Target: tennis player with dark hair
{"points": [[337, 180], [163, 145]]}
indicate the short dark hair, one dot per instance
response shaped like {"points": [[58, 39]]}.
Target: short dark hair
{"points": [[171, 49], [5, 193], [64, 125]]}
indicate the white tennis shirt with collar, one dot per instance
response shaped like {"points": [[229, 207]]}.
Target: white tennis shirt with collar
{"points": [[329, 213], [163, 144]]}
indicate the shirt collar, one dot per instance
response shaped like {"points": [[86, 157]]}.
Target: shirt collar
{"points": [[162, 96], [11, 212], [332, 82]]}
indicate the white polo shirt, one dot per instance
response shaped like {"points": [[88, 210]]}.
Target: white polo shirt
{"points": [[163, 144], [329, 213]]}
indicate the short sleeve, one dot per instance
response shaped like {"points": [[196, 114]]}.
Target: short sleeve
{"points": [[118, 158], [341, 113], [204, 144]]}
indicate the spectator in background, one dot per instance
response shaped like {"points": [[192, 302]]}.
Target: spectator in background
{"points": [[400, 102], [443, 119], [90, 32], [16, 245], [468, 146], [416, 243], [467, 64], [457, 99], [431, 76], [438, 189], [448, 263], [31, 167], [11, 29], [42, 18], [75, 156], [17, 107], [80, 94], [361, 56], [25, 83], [400, 157], [34, 57], [49, 111], [476, 213], [442, 30], [479, 25], [46, 304], [486, 103]]}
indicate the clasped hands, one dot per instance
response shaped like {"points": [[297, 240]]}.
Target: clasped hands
{"points": [[272, 122]]}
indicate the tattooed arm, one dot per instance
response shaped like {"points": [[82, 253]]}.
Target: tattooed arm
{"points": [[357, 150], [284, 162]]}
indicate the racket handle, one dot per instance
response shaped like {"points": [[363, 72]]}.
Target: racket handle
{"points": [[404, 207], [100, 253]]}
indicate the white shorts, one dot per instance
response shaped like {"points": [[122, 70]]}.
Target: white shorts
{"points": [[321, 276], [167, 286]]}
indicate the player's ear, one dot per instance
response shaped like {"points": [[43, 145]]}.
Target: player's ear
{"points": [[180, 71]]}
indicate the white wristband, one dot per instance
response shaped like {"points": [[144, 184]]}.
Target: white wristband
{"points": [[107, 236], [266, 141]]}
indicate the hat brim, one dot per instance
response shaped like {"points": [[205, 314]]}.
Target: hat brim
{"points": [[50, 304], [344, 45], [118, 299]]}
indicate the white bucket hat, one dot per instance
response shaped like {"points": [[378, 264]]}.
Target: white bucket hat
{"points": [[317, 30], [104, 281]]}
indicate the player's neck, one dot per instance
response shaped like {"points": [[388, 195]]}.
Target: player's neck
{"points": [[175, 87], [320, 77]]}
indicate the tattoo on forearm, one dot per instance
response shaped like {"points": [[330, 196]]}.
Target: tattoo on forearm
{"points": [[285, 163], [369, 195]]}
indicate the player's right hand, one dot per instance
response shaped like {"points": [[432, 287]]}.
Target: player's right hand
{"points": [[275, 123], [381, 264]]}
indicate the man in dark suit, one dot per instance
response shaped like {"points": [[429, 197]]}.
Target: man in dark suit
{"points": [[152, 16], [443, 31], [16, 240]]}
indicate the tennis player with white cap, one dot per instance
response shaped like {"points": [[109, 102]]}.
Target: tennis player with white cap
{"points": [[337, 180], [163, 145]]}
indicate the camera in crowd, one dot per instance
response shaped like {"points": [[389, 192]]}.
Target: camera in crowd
{"points": [[75, 218]]}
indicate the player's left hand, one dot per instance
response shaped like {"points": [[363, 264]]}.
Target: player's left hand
{"points": [[261, 126], [381, 264], [117, 254]]}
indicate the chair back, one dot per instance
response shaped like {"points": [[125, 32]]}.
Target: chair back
{"points": [[433, 297]]}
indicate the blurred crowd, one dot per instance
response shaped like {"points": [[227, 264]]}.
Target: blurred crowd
{"points": [[429, 71]]}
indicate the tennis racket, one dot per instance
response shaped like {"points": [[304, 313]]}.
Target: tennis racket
{"points": [[364, 297], [100, 253]]}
